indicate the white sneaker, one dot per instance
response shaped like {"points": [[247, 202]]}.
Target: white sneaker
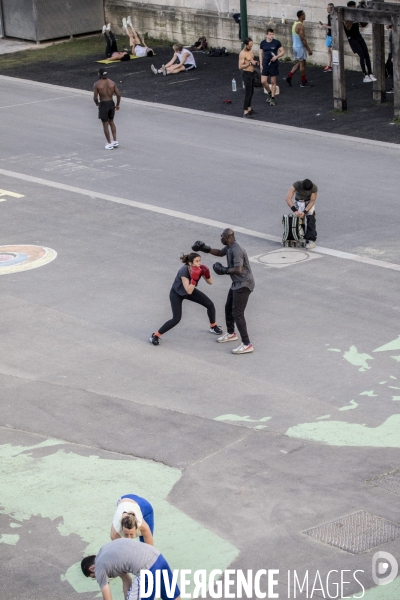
{"points": [[104, 29], [129, 21], [164, 70], [310, 245], [242, 349], [154, 70], [367, 79], [108, 27], [372, 78], [114, 144], [124, 22], [227, 337], [109, 147]]}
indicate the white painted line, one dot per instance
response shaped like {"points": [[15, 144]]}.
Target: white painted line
{"points": [[183, 81], [199, 113], [36, 101], [193, 218]]}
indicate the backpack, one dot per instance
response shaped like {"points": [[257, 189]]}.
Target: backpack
{"points": [[293, 231], [218, 52]]}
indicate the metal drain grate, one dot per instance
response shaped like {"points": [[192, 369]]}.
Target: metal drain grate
{"points": [[356, 533], [389, 482]]}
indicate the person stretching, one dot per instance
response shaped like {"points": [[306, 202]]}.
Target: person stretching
{"points": [[185, 288], [185, 62], [137, 44], [134, 517], [358, 45], [111, 45]]}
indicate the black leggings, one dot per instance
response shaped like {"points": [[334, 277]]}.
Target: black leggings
{"points": [[248, 79], [176, 305], [360, 47], [111, 44]]}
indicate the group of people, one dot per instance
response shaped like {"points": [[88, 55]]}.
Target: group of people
{"points": [[123, 557]]}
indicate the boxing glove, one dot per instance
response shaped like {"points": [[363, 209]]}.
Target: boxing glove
{"points": [[195, 275], [200, 246], [205, 271], [220, 269]]}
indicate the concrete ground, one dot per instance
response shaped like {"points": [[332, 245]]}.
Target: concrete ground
{"points": [[240, 455]]}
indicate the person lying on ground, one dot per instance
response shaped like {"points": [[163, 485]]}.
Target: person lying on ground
{"points": [[111, 45], [182, 60], [137, 44]]}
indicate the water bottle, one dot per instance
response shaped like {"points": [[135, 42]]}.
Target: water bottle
{"points": [[233, 85]]}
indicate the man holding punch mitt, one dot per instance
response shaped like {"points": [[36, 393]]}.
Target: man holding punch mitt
{"points": [[242, 278]]}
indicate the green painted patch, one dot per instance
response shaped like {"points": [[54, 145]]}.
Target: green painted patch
{"points": [[340, 433], [393, 345], [9, 538], [245, 419], [396, 357], [391, 591], [64, 484], [353, 404], [357, 359], [323, 417], [14, 525], [334, 350], [395, 397], [370, 393]]}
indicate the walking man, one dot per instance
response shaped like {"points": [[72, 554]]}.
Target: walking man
{"points": [[105, 90], [301, 199], [247, 63], [242, 285], [328, 39], [300, 50], [271, 51], [358, 45]]}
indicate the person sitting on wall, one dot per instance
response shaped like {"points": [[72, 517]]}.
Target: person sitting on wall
{"points": [[182, 60]]}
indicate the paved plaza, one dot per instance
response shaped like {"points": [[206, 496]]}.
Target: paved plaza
{"points": [[239, 455]]}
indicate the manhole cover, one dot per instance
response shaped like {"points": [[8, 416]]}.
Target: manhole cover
{"points": [[389, 482], [356, 533], [284, 257]]}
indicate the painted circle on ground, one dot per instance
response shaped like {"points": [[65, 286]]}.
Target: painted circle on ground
{"points": [[14, 259], [283, 257]]}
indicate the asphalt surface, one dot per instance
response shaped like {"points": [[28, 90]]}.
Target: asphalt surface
{"points": [[210, 84], [239, 454]]}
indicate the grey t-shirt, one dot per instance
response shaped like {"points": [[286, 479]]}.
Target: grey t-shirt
{"points": [[304, 195], [123, 556], [236, 256], [178, 285]]}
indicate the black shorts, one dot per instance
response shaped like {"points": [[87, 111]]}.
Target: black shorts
{"points": [[189, 66], [106, 110], [272, 69]]}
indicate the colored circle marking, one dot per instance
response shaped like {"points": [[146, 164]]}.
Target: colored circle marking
{"points": [[14, 259]]}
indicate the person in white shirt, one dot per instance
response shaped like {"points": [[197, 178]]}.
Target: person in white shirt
{"points": [[137, 45], [134, 517], [182, 60]]}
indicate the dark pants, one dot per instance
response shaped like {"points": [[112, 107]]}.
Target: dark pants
{"points": [[111, 44], [234, 312], [176, 305], [311, 228], [248, 79], [389, 65], [360, 47]]}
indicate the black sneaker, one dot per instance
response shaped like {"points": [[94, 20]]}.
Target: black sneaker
{"points": [[306, 84], [155, 340], [248, 116], [217, 330], [252, 112], [288, 80]]}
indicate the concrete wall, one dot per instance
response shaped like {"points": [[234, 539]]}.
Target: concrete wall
{"points": [[175, 20]]}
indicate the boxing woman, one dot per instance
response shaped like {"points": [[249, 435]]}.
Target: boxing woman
{"points": [[134, 517], [185, 288]]}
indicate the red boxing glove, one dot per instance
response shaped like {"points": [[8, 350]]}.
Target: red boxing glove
{"points": [[195, 275], [205, 271]]}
